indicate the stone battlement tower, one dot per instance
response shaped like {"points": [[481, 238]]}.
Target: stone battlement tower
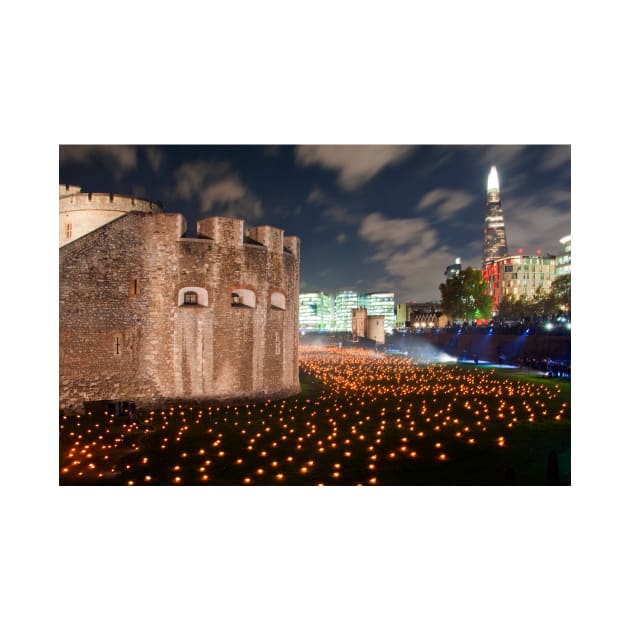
{"points": [[148, 314]]}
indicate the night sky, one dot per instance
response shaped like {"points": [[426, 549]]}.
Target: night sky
{"points": [[302, 73], [370, 218]]}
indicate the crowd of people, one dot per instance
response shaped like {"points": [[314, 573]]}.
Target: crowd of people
{"points": [[528, 327], [551, 368]]}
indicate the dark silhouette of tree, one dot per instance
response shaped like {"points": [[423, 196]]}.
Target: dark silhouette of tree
{"points": [[560, 293], [548, 303], [465, 296]]}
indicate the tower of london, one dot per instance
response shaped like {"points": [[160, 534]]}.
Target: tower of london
{"points": [[149, 314]]}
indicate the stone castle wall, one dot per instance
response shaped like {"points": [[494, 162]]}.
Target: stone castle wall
{"points": [[80, 213], [126, 332]]}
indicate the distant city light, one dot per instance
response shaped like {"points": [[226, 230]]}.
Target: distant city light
{"points": [[493, 179]]}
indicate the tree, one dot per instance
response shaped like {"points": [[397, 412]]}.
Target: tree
{"points": [[560, 293], [510, 308], [546, 303], [465, 296]]}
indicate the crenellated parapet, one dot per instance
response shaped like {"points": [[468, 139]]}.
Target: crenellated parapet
{"points": [[230, 232], [66, 190], [81, 213], [292, 245], [222, 230], [79, 201], [272, 238], [148, 313]]}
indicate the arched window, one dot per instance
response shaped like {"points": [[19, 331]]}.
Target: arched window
{"points": [[243, 298], [278, 301], [192, 296]]}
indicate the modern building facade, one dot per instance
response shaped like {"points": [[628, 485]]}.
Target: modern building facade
{"points": [[323, 311], [563, 262], [345, 301], [519, 276], [494, 239], [316, 311], [453, 270], [380, 304]]}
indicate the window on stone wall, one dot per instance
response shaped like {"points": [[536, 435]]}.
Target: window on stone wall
{"points": [[192, 296], [243, 298], [68, 230], [278, 301], [135, 287]]}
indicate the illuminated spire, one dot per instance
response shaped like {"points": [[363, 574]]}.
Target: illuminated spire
{"points": [[493, 179], [494, 241]]}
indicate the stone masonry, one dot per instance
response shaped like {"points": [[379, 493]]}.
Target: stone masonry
{"points": [[150, 315]]}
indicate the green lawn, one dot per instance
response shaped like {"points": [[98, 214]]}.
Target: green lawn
{"points": [[360, 419]]}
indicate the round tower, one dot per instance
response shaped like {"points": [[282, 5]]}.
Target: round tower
{"points": [[81, 213]]}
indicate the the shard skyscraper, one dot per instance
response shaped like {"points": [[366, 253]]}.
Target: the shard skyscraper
{"points": [[494, 241]]}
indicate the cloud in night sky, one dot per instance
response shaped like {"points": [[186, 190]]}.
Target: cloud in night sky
{"points": [[556, 157], [355, 164], [342, 216], [388, 218], [528, 222], [217, 188], [155, 157], [507, 156], [446, 202], [119, 158], [408, 250]]}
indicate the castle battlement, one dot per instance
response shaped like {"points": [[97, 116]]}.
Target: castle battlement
{"points": [[65, 190], [232, 232], [271, 237], [149, 314], [78, 201]]}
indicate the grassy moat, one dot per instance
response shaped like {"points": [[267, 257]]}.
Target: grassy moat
{"points": [[361, 419]]}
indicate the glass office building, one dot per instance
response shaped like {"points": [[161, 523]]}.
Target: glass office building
{"points": [[519, 276], [380, 304], [345, 301], [563, 262], [323, 311], [316, 311]]}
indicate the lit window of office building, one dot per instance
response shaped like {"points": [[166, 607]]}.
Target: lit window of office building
{"points": [[452, 271], [323, 311], [380, 304], [563, 262], [345, 301], [316, 311], [519, 276]]}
